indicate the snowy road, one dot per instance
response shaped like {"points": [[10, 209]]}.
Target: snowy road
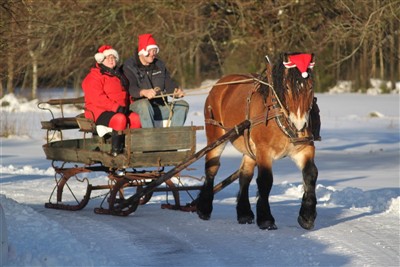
{"points": [[358, 206]]}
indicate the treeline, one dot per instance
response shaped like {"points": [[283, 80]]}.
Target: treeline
{"points": [[47, 44]]}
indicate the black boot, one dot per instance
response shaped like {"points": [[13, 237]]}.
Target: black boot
{"points": [[315, 120], [117, 143]]}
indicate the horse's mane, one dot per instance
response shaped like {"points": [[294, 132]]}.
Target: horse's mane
{"points": [[264, 89], [278, 71]]}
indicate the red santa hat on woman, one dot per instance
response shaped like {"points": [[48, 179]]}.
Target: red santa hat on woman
{"points": [[104, 51], [146, 42]]}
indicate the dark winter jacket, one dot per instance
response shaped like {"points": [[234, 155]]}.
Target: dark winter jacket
{"points": [[103, 91], [147, 77]]}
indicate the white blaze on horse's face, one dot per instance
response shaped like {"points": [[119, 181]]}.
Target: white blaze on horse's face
{"points": [[299, 119], [299, 97]]}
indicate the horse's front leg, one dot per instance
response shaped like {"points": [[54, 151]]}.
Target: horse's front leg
{"points": [[308, 210], [206, 196], [243, 208], [265, 220]]}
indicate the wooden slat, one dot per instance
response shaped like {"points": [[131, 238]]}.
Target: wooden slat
{"points": [[136, 160], [155, 159], [86, 125], [161, 139], [60, 124], [66, 101]]}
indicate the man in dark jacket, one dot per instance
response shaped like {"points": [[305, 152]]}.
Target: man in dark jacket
{"points": [[149, 80]]}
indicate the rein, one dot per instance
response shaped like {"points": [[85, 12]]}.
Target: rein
{"points": [[224, 83]]}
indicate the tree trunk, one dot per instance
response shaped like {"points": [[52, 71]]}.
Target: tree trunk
{"points": [[381, 63], [10, 48], [25, 79], [374, 56], [33, 56], [336, 50], [398, 54], [34, 74], [10, 73], [392, 54], [197, 55], [364, 66], [355, 79]]}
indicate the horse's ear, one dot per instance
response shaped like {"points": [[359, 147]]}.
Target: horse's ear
{"points": [[285, 57], [268, 67], [267, 59]]}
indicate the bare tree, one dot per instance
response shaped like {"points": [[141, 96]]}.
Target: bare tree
{"points": [[352, 39]]}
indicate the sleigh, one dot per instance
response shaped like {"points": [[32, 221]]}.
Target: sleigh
{"points": [[152, 161]]}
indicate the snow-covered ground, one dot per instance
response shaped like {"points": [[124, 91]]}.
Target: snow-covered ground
{"points": [[358, 202]]}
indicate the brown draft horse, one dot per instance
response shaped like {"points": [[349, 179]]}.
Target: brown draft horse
{"points": [[278, 106]]}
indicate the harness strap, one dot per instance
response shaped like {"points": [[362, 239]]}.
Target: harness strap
{"points": [[216, 123], [246, 132], [272, 111]]}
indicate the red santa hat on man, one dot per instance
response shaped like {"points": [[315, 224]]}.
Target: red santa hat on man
{"points": [[146, 42], [104, 51]]}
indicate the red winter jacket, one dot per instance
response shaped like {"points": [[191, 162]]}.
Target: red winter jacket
{"points": [[102, 93]]}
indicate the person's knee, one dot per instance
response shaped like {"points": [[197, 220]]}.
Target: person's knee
{"points": [[182, 104], [138, 105], [134, 120], [118, 122]]}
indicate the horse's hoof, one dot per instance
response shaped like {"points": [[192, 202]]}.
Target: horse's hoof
{"points": [[306, 224], [267, 225], [246, 220], [203, 216]]}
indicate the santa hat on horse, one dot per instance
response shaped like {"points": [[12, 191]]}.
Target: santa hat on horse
{"points": [[146, 42], [104, 51], [301, 61]]}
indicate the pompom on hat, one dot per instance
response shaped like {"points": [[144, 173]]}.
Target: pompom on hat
{"points": [[104, 51], [146, 42]]}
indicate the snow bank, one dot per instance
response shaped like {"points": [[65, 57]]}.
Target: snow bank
{"points": [[28, 221], [10, 103]]}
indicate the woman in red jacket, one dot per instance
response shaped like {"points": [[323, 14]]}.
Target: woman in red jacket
{"points": [[106, 98]]}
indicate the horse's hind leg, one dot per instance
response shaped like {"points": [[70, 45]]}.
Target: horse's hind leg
{"points": [[206, 196], [243, 208], [308, 210]]}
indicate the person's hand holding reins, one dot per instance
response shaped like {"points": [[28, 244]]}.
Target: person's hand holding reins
{"points": [[148, 93], [178, 93]]}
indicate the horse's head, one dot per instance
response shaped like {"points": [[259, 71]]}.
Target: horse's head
{"points": [[293, 84]]}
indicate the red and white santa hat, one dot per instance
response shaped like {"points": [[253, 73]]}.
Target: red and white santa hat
{"points": [[146, 42], [301, 61], [104, 51]]}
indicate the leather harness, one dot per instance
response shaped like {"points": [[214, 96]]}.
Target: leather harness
{"points": [[274, 110]]}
